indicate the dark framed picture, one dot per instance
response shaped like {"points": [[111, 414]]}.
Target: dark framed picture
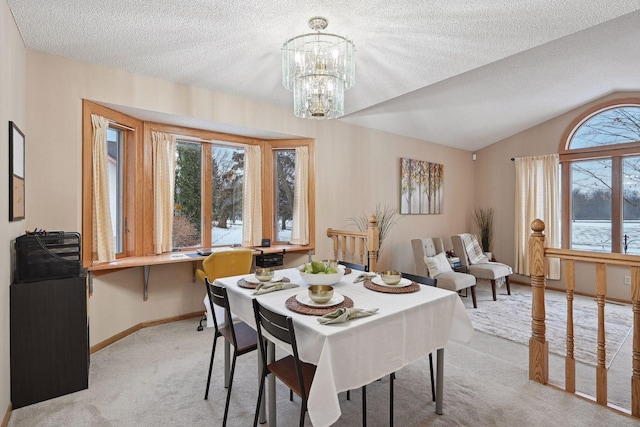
{"points": [[16, 173]]}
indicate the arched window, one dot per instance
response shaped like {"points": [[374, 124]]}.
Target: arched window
{"points": [[600, 157]]}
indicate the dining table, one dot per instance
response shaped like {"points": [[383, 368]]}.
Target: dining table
{"points": [[409, 324]]}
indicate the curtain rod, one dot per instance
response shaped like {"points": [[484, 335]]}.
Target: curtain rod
{"points": [[113, 122], [188, 138]]}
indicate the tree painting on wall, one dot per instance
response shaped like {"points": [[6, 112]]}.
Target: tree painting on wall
{"points": [[421, 185]]}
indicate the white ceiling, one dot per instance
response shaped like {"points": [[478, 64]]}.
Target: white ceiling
{"points": [[463, 73]]}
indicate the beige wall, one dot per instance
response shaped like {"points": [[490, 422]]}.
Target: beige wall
{"points": [[355, 169], [495, 186], [12, 108]]}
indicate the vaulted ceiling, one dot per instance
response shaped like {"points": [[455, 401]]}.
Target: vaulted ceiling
{"points": [[463, 73]]}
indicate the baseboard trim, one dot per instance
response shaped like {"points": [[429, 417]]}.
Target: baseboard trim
{"points": [[135, 328], [7, 415]]}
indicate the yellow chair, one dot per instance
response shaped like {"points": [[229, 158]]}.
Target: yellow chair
{"points": [[224, 264]]}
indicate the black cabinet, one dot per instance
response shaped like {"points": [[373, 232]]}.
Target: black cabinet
{"points": [[49, 339]]}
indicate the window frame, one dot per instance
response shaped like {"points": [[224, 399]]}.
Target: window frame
{"points": [[139, 179], [274, 222], [132, 128], [616, 153], [269, 186]]}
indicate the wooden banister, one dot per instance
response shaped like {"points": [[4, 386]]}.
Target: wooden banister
{"points": [[359, 247], [538, 346]]}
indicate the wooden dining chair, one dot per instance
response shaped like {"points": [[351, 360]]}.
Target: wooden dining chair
{"points": [[294, 373], [241, 336], [428, 281]]}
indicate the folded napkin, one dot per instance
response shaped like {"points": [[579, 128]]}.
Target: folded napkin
{"points": [[265, 287], [344, 314], [364, 276]]}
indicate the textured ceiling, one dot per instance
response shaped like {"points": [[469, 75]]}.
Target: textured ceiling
{"points": [[458, 73]]}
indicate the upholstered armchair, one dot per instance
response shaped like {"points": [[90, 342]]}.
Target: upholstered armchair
{"points": [[468, 250], [431, 261]]}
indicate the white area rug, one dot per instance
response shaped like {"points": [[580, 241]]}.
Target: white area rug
{"points": [[510, 317]]}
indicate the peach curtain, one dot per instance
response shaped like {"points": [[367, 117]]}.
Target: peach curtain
{"points": [[252, 197], [300, 230], [164, 169], [103, 244], [537, 197]]}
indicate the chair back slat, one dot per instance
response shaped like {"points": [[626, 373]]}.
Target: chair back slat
{"points": [[218, 296], [354, 266], [275, 324]]}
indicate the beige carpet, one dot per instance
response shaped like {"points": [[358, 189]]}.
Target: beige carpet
{"points": [[510, 318], [156, 377]]}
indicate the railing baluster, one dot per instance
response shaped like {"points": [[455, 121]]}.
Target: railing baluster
{"points": [[336, 255], [635, 378], [373, 242], [601, 369], [570, 361]]}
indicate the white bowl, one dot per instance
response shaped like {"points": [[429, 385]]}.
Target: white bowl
{"points": [[322, 279]]}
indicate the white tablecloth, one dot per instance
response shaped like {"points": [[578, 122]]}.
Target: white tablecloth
{"points": [[352, 354]]}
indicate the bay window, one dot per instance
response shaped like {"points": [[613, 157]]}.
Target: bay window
{"points": [[208, 192]]}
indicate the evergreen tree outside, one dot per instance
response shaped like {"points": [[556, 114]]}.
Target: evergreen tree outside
{"points": [[285, 181], [227, 170], [187, 226]]}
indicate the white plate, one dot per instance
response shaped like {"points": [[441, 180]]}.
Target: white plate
{"points": [[253, 279], [303, 298], [403, 282]]}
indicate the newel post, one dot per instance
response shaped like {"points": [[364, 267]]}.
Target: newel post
{"points": [[373, 242], [538, 345]]}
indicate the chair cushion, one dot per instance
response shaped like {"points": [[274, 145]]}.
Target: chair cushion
{"points": [[489, 270], [454, 281], [437, 264]]}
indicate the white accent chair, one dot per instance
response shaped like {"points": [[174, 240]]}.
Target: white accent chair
{"points": [[492, 271], [451, 280]]}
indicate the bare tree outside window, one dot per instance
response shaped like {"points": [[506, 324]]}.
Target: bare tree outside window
{"points": [[227, 168], [592, 222]]}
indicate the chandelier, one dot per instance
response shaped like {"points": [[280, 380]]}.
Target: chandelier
{"points": [[318, 68]]}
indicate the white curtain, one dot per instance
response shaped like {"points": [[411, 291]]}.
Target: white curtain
{"points": [[300, 230], [103, 245], [537, 197], [164, 170], [252, 197]]}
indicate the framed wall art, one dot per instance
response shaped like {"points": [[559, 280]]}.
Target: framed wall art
{"points": [[421, 187], [16, 173]]}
